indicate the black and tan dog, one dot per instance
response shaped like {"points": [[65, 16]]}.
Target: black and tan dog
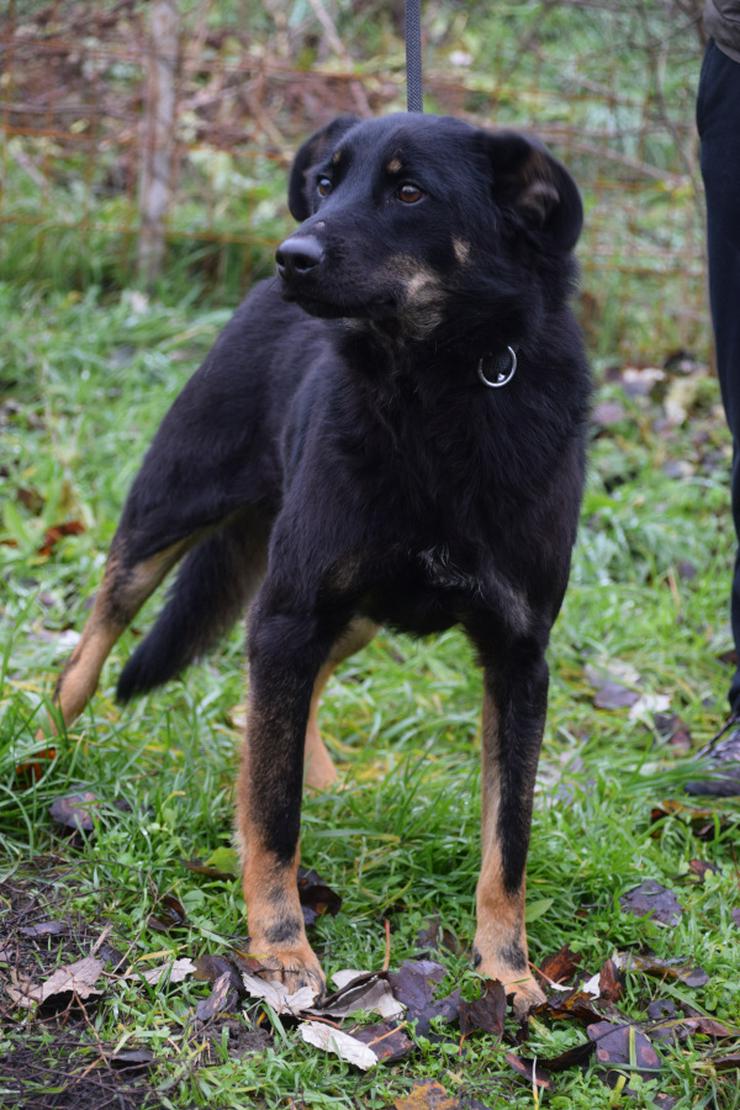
{"points": [[340, 455]]}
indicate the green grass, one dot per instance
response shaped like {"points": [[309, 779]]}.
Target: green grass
{"points": [[84, 382]]}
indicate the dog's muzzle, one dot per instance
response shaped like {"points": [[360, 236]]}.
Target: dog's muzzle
{"points": [[298, 256]]}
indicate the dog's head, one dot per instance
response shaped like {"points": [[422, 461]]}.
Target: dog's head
{"points": [[408, 217]]}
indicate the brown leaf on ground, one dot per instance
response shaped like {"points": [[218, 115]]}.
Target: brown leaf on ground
{"points": [[572, 1057], [580, 1005], [222, 997], [702, 868], [201, 868], [560, 966], [486, 1013], [316, 897], [171, 971], [45, 929], [675, 968], [30, 499], [75, 981], [652, 899], [131, 1059], [169, 913], [427, 1095], [612, 695], [360, 990], [623, 1045], [74, 811], [277, 996], [701, 819], [210, 968], [610, 982], [386, 1039], [329, 1039], [34, 768], [736, 916], [726, 1063], [54, 534], [413, 984], [674, 731], [532, 1070], [434, 937]]}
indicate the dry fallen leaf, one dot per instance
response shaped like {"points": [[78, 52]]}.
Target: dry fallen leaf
{"points": [[222, 997], [360, 990], [386, 1039], [74, 811], [427, 1095], [341, 1044], [276, 995], [623, 1045], [315, 896], [77, 979], [675, 968], [173, 971], [562, 965]]}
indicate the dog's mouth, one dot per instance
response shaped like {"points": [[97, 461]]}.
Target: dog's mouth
{"points": [[374, 308]]}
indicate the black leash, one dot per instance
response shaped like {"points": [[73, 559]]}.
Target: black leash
{"points": [[414, 95]]}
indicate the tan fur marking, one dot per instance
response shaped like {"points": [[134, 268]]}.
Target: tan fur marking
{"points": [[336, 157], [80, 676], [320, 772], [462, 251], [271, 892], [500, 914], [394, 166]]}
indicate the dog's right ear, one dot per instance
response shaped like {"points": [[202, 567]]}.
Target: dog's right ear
{"points": [[312, 151]]}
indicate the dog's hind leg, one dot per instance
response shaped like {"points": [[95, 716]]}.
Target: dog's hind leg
{"points": [[513, 721], [319, 769], [124, 589]]}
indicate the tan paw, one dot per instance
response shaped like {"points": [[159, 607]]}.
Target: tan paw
{"points": [[527, 996], [295, 968]]}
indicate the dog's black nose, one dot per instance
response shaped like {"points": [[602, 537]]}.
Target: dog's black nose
{"points": [[298, 255]]}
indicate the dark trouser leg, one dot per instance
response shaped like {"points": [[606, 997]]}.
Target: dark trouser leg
{"points": [[718, 119], [514, 708]]}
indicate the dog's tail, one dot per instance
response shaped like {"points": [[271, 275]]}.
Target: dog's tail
{"points": [[213, 588]]}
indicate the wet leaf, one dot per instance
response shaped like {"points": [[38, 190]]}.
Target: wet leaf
{"points": [[316, 897], [532, 1070], [674, 731], [35, 767], [74, 811], [572, 1057], [30, 499], [610, 982], [201, 868], [674, 968], [435, 937], [169, 913], [341, 1044], [611, 695], [726, 1063], [222, 997], [702, 868], [211, 968], [387, 1041], [131, 1059], [487, 1012], [652, 899], [625, 1046], [580, 1005], [560, 966], [414, 982], [45, 929], [736, 916], [54, 534], [702, 820]]}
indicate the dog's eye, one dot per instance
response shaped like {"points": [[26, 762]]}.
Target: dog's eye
{"points": [[323, 186], [409, 193]]}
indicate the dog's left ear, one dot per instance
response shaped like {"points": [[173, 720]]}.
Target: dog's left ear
{"points": [[536, 186], [312, 151]]}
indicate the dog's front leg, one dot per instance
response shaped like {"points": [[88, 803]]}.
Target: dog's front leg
{"points": [[285, 656], [513, 721]]}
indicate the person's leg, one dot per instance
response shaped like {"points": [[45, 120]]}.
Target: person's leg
{"points": [[718, 122]]}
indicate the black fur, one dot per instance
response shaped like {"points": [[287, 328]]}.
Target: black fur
{"points": [[341, 407]]}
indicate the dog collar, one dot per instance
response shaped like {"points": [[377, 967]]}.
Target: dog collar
{"points": [[496, 371]]}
